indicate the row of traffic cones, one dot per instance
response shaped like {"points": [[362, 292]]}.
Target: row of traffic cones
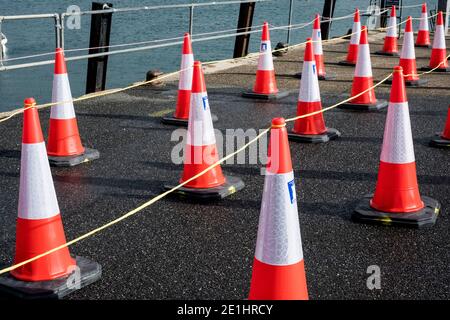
{"points": [[278, 269], [438, 58]]}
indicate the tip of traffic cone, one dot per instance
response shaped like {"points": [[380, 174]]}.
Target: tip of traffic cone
{"points": [[60, 64], [279, 153], [424, 7], [265, 32], [356, 17], [31, 131], [440, 19], [198, 80], [393, 12], [409, 27], [309, 51], [398, 92], [187, 46], [317, 22], [364, 38]]}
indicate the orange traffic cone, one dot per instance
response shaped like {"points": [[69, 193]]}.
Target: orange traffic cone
{"points": [[39, 226], [181, 116], [310, 129], [278, 266], [201, 151], [318, 53], [423, 36], [442, 140], [390, 47], [397, 199], [439, 52], [265, 87], [363, 80], [64, 146], [352, 54], [408, 58]]}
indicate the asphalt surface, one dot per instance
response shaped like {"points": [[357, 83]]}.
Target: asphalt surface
{"points": [[180, 250]]}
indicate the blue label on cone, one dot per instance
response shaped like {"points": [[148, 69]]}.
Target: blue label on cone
{"points": [[291, 188], [205, 102], [263, 46]]}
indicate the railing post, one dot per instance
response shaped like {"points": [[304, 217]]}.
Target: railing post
{"points": [[444, 6], [291, 7], [328, 13], [245, 21], [191, 20], [99, 42], [1, 47], [58, 28]]}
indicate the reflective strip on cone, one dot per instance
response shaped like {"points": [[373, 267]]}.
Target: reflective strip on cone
{"points": [[61, 93], [309, 84], [392, 28], [423, 26], [356, 33], [397, 141], [200, 127], [37, 197], [363, 65], [279, 242], [187, 63], [265, 61]]}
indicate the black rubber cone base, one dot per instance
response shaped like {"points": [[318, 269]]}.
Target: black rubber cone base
{"points": [[389, 54], [331, 134], [423, 45], [260, 96], [346, 63], [435, 70], [327, 76], [364, 213], [231, 185], [379, 105], [89, 272], [411, 83], [171, 120], [439, 142], [87, 156]]}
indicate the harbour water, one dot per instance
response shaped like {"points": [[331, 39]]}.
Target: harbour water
{"points": [[30, 37]]}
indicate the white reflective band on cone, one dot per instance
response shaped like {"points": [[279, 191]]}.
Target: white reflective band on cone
{"points": [[61, 92], [424, 22], [37, 197], [187, 64], [279, 242], [265, 61], [200, 128], [309, 85], [317, 42], [363, 64], [408, 51], [439, 38], [356, 33], [397, 141], [392, 27]]}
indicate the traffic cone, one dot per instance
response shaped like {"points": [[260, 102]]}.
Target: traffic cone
{"points": [[64, 146], [352, 54], [442, 140], [397, 200], [408, 58], [265, 87], [390, 41], [363, 80], [310, 129], [439, 51], [318, 53], [39, 227], [278, 266], [200, 151], [423, 36], [181, 115]]}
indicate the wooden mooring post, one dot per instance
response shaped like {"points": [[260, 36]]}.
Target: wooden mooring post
{"points": [[98, 42], [328, 13], [245, 21]]}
